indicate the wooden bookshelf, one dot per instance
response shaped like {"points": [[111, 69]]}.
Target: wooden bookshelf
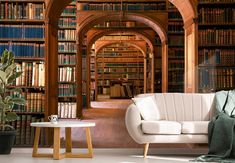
{"points": [[24, 34], [216, 45], [175, 51]]}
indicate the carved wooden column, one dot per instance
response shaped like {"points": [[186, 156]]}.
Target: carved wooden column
{"points": [[152, 72], [191, 57], [164, 66], [79, 80], [145, 74], [88, 78], [51, 73], [51, 67]]}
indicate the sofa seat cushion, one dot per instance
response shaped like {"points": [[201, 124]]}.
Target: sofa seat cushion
{"points": [[194, 127], [161, 127]]}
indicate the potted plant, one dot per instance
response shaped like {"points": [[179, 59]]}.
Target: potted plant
{"points": [[7, 76]]}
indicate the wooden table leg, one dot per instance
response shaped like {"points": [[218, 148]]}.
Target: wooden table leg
{"points": [[36, 141], [68, 140], [56, 148], [89, 143]]}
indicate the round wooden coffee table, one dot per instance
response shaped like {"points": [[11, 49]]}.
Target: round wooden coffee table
{"points": [[56, 145]]}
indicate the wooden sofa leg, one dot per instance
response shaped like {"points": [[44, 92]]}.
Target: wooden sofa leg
{"points": [[146, 147]]}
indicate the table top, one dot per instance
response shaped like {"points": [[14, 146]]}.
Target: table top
{"points": [[63, 124]]}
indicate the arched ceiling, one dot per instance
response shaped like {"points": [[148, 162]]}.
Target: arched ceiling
{"points": [[187, 8], [100, 34]]}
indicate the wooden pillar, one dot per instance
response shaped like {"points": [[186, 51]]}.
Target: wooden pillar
{"points": [[79, 80], [152, 72], [145, 75], [191, 55], [164, 67], [88, 78]]}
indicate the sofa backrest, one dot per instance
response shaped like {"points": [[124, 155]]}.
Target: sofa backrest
{"points": [[185, 106]]}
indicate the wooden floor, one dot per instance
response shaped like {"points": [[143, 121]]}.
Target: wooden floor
{"points": [[110, 130]]}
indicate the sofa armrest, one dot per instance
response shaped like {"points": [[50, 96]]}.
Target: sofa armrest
{"points": [[133, 123]]}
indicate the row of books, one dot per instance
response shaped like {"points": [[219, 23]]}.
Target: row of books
{"points": [[119, 53], [66, 74], [21, 10], [67, 34], [216, 15], [123, 6], [33, 74], [21, 31], [121, 90], [216, 36], [25, 133], [119, 37], [216, 78], [176, 76], [67, 110], [69, 10], [216, 56], [121, 75], [35, 102], [176, 64], [67, 90], [103, 90], [67, 47], [176, 40], [117, 24], [120, 64], [176, 52], [121, 70], [64, 59], [21, 49], [174, 15], [120, 60], [103, 82], [67, 22], [175, 27]]}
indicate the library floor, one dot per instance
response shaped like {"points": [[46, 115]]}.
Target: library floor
{"points": [[100, 155]]}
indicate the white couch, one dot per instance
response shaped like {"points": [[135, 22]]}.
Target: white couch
{"points": [[170, 118]]}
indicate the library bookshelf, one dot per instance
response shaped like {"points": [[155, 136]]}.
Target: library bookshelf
{"points": [[175, 50], [22, 30], [216, 60]]}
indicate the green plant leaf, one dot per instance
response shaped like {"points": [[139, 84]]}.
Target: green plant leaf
{"points": [[4, 57], [11, 116], [17, 90], [13, 77], [3, 76], [18, 101], [10, 69]]}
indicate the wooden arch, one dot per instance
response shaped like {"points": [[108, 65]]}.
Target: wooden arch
{"points": [[188, 10], [103, 45], [98, 34]]}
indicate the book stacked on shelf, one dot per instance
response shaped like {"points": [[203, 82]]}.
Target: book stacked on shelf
{"points": [[21, 10], [67, 90], [67, 110], [66, 74], [125, 6], [67, 47], [67, 22], [216, 15], [25, 133], [66, 59], [23, 49], [217, 37], [67, 34], [35, 102], [33, 74], [21, 31], [216, 56], [217, 79]]}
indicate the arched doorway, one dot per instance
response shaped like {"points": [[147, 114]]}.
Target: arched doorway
{"points": [[188, 10]]}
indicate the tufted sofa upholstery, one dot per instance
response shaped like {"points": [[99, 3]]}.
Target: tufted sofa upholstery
{"points": [[184, 118]]}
